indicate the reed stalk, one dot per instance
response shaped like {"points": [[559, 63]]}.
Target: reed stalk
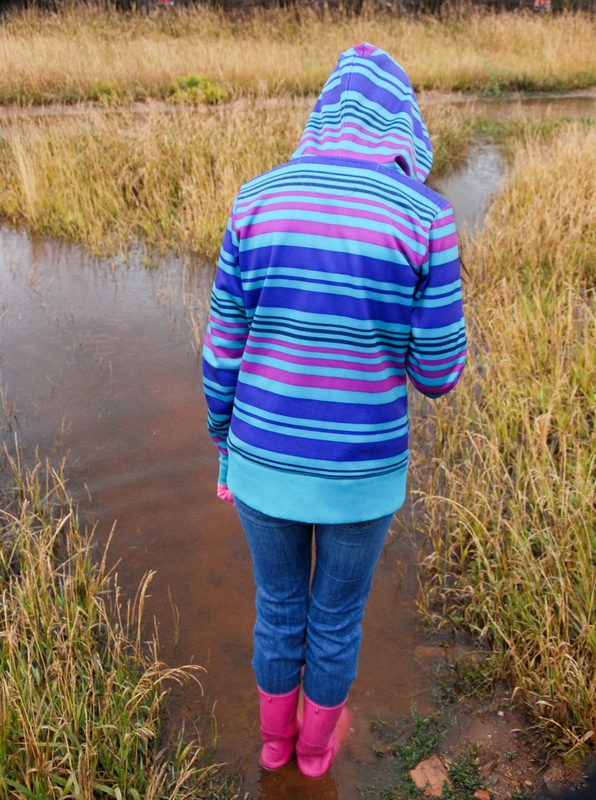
{"points": [[512, 505]]}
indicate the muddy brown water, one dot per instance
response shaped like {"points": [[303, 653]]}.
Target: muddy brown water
{"points": [[98, 364]]}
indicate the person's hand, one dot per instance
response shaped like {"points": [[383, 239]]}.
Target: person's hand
{"points": [[225, 494]]}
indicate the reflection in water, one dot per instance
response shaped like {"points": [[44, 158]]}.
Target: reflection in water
{"points": [[471, 187], [100, 365]]}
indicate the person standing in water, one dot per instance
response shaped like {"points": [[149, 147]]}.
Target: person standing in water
{"points": [[338, 279]]}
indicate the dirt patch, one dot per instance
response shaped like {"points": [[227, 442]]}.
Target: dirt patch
{"points": [[513, 761]]}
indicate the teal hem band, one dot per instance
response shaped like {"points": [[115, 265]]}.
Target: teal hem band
{"points": [[305, 498]]}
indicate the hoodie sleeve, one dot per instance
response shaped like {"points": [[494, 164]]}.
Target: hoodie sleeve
{"points": [[223, 347], [437, 348]]}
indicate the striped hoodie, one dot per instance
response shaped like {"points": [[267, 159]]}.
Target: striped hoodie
{"points": [[338, 279]]}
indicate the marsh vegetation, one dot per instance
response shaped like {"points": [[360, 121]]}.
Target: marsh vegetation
{"points": [[513, 505], [113, 59], [82, 688], [511, 509]]}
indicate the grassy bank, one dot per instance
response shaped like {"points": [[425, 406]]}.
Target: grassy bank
{"points": [[167, 179], [113, 59], [81, 694], [513, 506]]}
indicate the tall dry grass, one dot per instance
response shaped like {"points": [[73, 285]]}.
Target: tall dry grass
{"points": [[512, 511], [82, 691], [166, 178], [113, 58]]}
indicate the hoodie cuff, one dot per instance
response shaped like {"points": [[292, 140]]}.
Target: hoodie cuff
{"points": [[223, 469]]}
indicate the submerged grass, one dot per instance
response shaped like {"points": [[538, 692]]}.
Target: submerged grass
{"points": [[87, 54], [168, 179], [512, 509], [81, 691]]}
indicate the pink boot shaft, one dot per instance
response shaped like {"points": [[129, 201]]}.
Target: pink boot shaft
{"points": [[279, 727], [323, 731]]}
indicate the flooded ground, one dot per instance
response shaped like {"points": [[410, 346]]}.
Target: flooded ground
{"points": [[98, 364]]}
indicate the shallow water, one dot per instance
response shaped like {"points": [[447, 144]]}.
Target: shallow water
{"points": [[98, 365]]}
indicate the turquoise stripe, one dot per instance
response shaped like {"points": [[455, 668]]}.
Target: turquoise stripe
{"points": [[329, 199], [367, 225], [230, 364], [315, 242], [449, 255], [325, 394], [426, 381], [437, 333], [453, 286], [313, 499], [442, 301]]}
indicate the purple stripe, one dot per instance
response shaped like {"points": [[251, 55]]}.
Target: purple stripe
{"points": [[356, 214], [324, 362], [322, 382], [331, 230], [395, 216], [219, 350], [327, 132], [440, 373]]}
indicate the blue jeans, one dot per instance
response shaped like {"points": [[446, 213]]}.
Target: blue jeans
{"points": [[303, 623]]}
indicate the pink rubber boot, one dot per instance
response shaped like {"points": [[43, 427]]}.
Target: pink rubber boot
{"points": [[323, 731], [279, 727]]}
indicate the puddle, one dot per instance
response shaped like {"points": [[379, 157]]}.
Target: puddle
{"points": [[573, 105], [471, 187], [99, 365]]}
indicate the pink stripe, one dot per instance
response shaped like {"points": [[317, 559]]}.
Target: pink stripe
{"points": [[337, 132], [445, 222], [333, 199], [310, 228], [349, 212], [373, 157], [321, 142], [322, 382], [230, 337], [447, 242], [325, 362], [219, 351]]}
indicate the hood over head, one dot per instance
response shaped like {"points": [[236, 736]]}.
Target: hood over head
{"points": [[368, 110]]}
